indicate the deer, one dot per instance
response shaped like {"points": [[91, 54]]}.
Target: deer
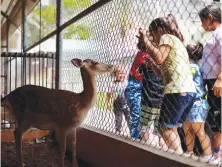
{"points": [[58, 110]]}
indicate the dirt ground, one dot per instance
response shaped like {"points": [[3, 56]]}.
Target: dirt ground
{"points": [[34, 155]]}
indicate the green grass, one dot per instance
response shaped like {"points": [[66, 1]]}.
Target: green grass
{"points": [[102, 103]]}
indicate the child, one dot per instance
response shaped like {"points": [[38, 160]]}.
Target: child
{"points": [[210, 17], [152, 96], [194, 124], [120, 106], [179, 89], [133, 91]]}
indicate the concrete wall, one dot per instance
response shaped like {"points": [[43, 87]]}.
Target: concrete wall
{"points": [[102, 150]]}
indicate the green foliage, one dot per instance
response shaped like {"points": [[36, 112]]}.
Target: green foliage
{"points": [[81, 30], [102, 104], [48, 16], [125, 21], [74, 4]]}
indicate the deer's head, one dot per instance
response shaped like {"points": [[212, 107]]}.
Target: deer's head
{"points": [[92, 66]]}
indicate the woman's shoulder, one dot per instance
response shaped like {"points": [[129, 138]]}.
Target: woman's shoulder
{"points": [[218, 33], [170, 39], [166, 39]]}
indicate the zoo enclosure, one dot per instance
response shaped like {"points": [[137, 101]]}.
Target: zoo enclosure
{"points": [[55, 31]]}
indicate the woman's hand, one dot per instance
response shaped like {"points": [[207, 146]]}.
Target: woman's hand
{"points": [[217, 88]]}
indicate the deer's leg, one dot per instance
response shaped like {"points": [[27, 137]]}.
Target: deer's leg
{"points": [[18, 144], [61, 139], [74, 157]]}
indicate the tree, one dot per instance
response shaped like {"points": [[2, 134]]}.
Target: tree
{"points": [[125, 20], [48, 19]]}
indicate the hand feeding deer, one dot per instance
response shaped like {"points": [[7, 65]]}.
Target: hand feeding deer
{"points": [[58, 110]]}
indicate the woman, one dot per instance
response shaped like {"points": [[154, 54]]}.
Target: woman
{"points": [[210, 17]]}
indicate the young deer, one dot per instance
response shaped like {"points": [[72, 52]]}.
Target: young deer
{"points": [[58, 110]]}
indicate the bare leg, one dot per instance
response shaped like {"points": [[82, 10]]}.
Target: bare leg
{"points": [[148, 134], [74, 157], [203, 137], [189, 135], [172, 139], [216, 141]]}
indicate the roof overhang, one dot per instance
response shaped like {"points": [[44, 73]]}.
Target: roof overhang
{"points": [[15, 16]]}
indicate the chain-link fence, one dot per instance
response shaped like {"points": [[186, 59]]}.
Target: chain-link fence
{"points": [[154, 96]]}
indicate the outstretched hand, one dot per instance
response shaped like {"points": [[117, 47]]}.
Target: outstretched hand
{"points": [[217, 88], [119, 74]]}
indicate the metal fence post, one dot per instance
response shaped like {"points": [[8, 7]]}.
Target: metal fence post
{"points": [[24, 2], [58, 44], [7, 50]]}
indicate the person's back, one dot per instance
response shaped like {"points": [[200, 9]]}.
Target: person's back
{"points": [[198, 80], [176, 75], [152, 92], [152, 96]]}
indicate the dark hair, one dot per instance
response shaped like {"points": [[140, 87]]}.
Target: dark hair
{"points": [[174, 26], [211, 10], [168, 24], [141, 45], [195, 51]]}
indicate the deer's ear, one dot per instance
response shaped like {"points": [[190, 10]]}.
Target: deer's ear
{"points": [[77, 62]]}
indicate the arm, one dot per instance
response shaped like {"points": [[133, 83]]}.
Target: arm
{"points": [[158, 54], [217, 88]]}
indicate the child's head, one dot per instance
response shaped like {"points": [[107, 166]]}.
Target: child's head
{"points": [[195, 51], [165, 25], [120, 74], [210, 15], [141, 44]]}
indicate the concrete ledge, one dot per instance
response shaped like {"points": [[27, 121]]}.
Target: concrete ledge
{"points": [[103, 150]]}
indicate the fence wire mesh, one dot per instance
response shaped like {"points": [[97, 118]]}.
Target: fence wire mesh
{"points": [[149, 96]]}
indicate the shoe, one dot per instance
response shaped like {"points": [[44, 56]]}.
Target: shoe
{"points": [[194, 157], [118, 131], [212, 160], [216, 160], [206, 158], [174, 152], [190, 155], [218, 154], [187, 154]]}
